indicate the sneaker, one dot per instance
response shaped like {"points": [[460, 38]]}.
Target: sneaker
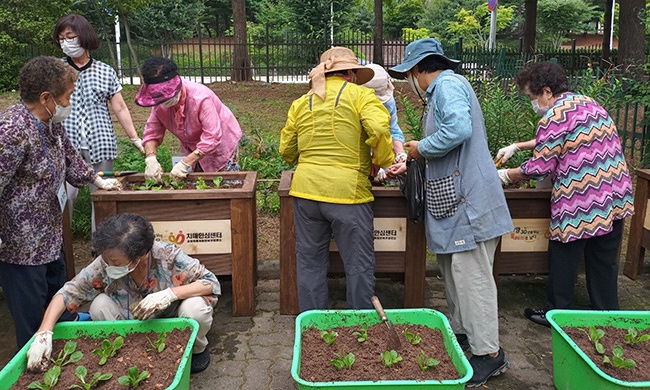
{"points": [[83, 316], [200, 361], [486, 366], [463, 341], [538, 316]]}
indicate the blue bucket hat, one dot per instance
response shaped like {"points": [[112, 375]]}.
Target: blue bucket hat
{"points": [[416, 51]]}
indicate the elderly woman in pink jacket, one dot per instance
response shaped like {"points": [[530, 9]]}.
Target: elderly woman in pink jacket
{"points": [[208, 131]]}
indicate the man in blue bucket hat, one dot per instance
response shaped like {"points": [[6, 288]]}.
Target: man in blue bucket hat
{"points": [[466, 208]]}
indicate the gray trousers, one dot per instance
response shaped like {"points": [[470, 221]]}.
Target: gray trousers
{"points": [[352, 226], [73, 192], [103, 308], [472, 295]]}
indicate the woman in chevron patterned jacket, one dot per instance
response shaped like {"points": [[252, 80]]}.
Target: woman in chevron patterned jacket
{"points": [[577, 147]]}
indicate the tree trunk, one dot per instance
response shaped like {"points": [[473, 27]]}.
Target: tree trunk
{"points": [[127, 31], [241, 63], [378, 39], [109, 44], [631, 37], [606, 59], [530, 26]]}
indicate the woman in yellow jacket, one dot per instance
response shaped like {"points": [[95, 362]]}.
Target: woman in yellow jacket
{"points": [[330, 134]]}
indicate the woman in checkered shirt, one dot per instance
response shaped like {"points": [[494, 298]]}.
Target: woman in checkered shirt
{"points": [[89, 126]]}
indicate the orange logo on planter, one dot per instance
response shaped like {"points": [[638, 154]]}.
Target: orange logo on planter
{"points": [[178, 239]]}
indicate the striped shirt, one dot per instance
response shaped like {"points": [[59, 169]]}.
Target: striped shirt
{"points": [[577, 144], [89, 126]]}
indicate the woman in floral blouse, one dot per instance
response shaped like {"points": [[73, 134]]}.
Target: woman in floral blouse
{"points": [[36, 159], [135, 277]]}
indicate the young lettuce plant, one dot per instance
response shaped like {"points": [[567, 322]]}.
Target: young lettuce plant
{"points": [[68, 355], [200, 184], [390, 357], [217, 181], [343, 361], [595, 335], [49, 379], [328, 337], [618, 360], [633, 337], [134, 378], [159, 344], [361, 334], [108, 349], [81, 373], [412, 338], [424, 362]]}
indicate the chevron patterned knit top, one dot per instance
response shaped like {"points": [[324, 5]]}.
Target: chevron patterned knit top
{"points": [[577, 146]]}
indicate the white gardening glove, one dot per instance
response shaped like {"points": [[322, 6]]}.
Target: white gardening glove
{"points": [[108, 184], [180, 171], [38, 355], [381, 176], [504, 154], [153, 168], [137, 143], [400, 158], [503, 175], [154, 302]]}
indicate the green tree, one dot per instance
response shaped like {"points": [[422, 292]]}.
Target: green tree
{"points": [[405, 13], [475, 25], [167, 21], [556, 18]]}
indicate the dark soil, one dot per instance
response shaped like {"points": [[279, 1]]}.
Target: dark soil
{"points": [[640, 352], [316, 356], [136, 351]]}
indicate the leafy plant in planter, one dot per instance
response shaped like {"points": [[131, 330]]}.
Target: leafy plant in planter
{"points": [[68, 355], [108, 349], [618, 360], [361, 334], [632, 336], [134, 377], [81, 373], [328, 337], [343, 361], [50, 378], [150, 184], [159, 344], [412, 338], [595, 335], [426, 362], [390, 357]]}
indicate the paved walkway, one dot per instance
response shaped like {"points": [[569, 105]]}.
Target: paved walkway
{"points": [[254, 353]]}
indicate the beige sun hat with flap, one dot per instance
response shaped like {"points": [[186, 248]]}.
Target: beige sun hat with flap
{"points": [[335, 59]]}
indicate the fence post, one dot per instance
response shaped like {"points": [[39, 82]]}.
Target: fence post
{"points": [[200, 50], [573, 55], [268, 68], [459, 52]]}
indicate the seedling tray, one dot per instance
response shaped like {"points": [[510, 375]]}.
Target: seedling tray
{"points": [[101, 329], [572, 368], [326, 319]]}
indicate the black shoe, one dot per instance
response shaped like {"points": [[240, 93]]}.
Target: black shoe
{"points": [[538, 316], [462, 341], [200, 361], [486, 366]]}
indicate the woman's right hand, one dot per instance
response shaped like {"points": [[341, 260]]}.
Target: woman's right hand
{"points": [[396, 169], [38, 355], [153, 168]]}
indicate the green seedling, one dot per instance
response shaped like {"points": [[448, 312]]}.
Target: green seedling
{"points": [[177, 184], [390, 357], [200, 184], [424, 362], [361, 334], [217, 181], [68, 355], [134, 378], [329, 337], [166, 180], [632, 336], [81, 373], [150, 183], [595, 335], [108, 349], [343, 361], [412, 338], [618, 360], [159, 344], [49, 379]]}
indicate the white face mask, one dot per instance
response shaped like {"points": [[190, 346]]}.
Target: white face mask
{"points": [[541, 111], [72, 48], [60, 112], [415, 86], [118, 272], [169, 103]]}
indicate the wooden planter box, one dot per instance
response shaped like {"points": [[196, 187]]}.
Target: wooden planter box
{"points": [[525, 249], [639, 238], [216, 226], [400, 246]]}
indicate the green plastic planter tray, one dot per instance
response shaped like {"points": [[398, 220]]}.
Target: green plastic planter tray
{"points": [[326, 319], [572, 369], [100, 329]]}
